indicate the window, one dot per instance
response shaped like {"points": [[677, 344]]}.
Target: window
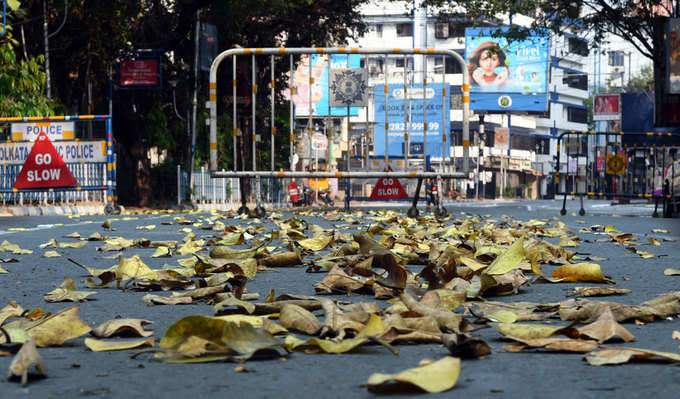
{"points": [[578, 46], [441, 30], [457, 29], [378, 30], [404, 30], [616, 58], [577, 115], [576, 81], [399, 62]]}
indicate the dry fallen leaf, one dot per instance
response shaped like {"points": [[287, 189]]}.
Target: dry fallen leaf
{"points": [[67, 292], [553, 344], [434, 377], [605, 328], [533, 331], [56, 329], [294, 317], [585, 272], [599, 291], [96, 345], [671, 272], [26, 357], [609, 356], [123, 327]]}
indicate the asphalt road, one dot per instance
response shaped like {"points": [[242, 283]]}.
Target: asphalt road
{"points": [[75, 371]]}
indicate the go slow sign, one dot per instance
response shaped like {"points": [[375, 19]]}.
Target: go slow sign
{"points": [[44, 168]]}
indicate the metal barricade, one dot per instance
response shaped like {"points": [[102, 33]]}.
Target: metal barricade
{"points": [[348, 173], [84, 142], [617, 166]]}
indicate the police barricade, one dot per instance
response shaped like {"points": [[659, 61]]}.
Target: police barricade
{"points": [[83, 142], [353, 92], [618, 166]]}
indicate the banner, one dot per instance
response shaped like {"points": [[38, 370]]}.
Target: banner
{"points": [[507, 75], [54, 130], [69, 151], [606, 107], [140, 72], [319, 87], [437, 118], [673, 60]]}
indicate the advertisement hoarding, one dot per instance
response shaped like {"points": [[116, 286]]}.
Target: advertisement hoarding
{"points": [[320, 84], [673, 59], [507, 75], [606, 107], [437, 118], [140, 72]]}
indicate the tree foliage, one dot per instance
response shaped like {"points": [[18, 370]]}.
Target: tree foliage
{"points": [[97, 33]]}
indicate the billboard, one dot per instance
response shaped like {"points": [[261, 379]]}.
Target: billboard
{"points": [[507, 75], [142, 71], [606, 107], [320, 84], [395, 109]]}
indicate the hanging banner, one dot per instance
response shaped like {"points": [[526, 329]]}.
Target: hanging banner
{"points": [[54, 130], [44, 168], [349, 87], [398, 104], [607, 107]]}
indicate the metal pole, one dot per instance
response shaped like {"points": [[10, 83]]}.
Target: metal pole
{"points": [[47, 51], [425, 154], [273, 129], [254, 148], [291, 89], [348, 183], [407, 122], [234, 118], [194, 101]]}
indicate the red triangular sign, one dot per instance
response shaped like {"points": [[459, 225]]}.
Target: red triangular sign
{"points": [[44, 167], [388, 188]]}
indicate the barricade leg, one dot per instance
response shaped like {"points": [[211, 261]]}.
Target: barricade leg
{"points": [[413, 210], [582, 211], [656, 208], [564, 206], [244, 208]]}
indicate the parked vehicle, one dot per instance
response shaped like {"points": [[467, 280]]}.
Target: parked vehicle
{"points": [[326, 197]]}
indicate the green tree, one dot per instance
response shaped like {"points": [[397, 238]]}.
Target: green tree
{"points": [[22, 82]]}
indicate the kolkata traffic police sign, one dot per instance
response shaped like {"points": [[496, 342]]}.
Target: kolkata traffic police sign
{"points": [[616, 165], [348, 87], [44, 168]]}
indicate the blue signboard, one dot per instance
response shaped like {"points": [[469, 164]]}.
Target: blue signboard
{"points": [[3, 16], [319, 87], [507, 75], [397, 104]]}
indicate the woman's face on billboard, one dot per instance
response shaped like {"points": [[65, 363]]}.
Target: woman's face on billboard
{"points": [[488, 62]]}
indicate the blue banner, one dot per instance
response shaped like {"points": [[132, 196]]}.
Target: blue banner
{"points": [[397, 105], [507, 75], [319, 88]]}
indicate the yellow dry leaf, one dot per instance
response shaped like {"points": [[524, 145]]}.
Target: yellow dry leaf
{"points": [[58, 328], [77, 244], [610, 229], [51, 254], [671, 272], [652, 241], [190, 247], [532, 331], [96, 345], [316, 243], [162, 252], [2, 270], [586, 272], [503, 316], [325, 345], [434, 377], [605, 328], [67, 292], [148, 227], [661, 231], [134, 268], [508, 260]]}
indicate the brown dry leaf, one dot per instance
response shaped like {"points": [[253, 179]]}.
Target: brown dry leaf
{"points": [[554, 344], [123, 327], [465, 346], [605, 328], [26, 357], [585, 272], [294, 317], [654, 242], [588, 311], [447, 320], [434, 377], [151, 299], [609, 356], [58, 328], [283, 259], [225, 252], [67, 292], [337, 279], [566, 241], [524, 311], [96, 345], [503, 284], [599, 291]]}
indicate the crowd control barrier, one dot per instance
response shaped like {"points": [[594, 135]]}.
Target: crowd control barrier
{"points": [[85, 144], [619, 166], [347, 174]]}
